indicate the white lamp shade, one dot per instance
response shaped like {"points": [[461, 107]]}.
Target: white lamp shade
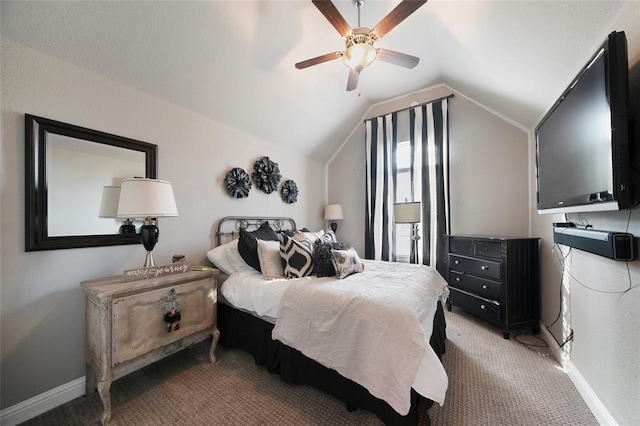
{"points": [[142, 198], [407, 212], [333, 212], [109, 202]]}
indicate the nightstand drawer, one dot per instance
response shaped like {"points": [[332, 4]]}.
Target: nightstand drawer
{"points": [[138, 320], [480, 286], [484, 308], [485, 268]]}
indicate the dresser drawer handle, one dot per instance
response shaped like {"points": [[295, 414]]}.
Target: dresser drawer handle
{"points": [[458, 279], [485, 287], [457, 262], [484, 267], [483, 307]]}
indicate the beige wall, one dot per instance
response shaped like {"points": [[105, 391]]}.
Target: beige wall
{"points": [[595, 304], [488, 171], [42, 304]]}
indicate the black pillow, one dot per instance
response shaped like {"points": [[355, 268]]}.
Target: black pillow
{"points": [[322, 263], [248, 243]]}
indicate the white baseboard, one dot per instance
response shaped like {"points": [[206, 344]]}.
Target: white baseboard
{"points": [[46, 401], [596, 406]]}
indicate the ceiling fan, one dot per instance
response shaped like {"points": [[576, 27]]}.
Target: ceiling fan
{"points": [[359, 50]]}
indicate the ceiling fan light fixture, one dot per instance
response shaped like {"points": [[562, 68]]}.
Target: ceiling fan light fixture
{"points": [[359, 52], [359, 56]]}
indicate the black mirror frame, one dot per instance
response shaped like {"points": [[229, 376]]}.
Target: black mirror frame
{"points": [[36, 220]]}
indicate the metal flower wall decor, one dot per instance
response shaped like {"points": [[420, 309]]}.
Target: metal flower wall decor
{"points": [[289, 192], [266, 175], [238, 183]]}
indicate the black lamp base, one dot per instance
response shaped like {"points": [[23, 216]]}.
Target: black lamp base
{"points": [[334, 226], [149, 236], [127, 228]]}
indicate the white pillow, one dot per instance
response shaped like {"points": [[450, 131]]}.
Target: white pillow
{"points": [[227, 258], [346, 262], [270, 260], [311, 236]]}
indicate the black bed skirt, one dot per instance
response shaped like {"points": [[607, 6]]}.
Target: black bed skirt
{"points": [[242, 330]]}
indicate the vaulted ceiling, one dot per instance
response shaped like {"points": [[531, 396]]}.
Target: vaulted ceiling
{"points": [[233, 61]]}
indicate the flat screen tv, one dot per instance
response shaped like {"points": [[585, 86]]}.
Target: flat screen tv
{"points": [[582, 143]]}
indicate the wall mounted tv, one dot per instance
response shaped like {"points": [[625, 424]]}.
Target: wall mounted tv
{"points": [[583, 147]]}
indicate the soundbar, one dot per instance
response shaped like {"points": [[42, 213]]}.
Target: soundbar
{"points": [[614, 245]]}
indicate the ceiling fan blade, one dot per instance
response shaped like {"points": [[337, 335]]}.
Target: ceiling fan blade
{"points": [[352, 82], [333, 16], [397, 58], [318, 60], [397, 15]]}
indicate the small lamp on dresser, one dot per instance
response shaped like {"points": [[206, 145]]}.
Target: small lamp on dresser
{"points": [[409, 213], [147, 199], [333, 213]]}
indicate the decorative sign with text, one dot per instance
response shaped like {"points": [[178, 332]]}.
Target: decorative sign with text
{"points": [[156, 271]]}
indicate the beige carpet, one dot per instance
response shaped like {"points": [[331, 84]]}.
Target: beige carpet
{"points": [[492, 381]]}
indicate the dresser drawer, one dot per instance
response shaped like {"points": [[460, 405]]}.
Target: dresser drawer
{"points": [[484, 268], [488, 249], [138, 320], [461, 246], [480, 286], [484, 308]]}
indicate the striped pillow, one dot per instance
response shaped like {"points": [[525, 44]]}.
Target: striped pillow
{"points": [[297, 256]]}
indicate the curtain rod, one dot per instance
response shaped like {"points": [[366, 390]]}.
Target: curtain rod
{"points": [[414, 106]]}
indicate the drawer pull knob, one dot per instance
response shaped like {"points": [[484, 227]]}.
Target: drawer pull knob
{"points": [[483, 307], [485, 286], [457, 262], [484, 267], [458, 279]]}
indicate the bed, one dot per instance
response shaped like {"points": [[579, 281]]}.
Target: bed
{"points": [[366, 363]]}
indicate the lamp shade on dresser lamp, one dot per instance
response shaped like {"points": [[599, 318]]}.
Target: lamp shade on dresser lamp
{"points": [[333, 213], [147, 199], [109, 208]]}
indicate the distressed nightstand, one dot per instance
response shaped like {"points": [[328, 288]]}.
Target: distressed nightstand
{"points": [[126, 328]]}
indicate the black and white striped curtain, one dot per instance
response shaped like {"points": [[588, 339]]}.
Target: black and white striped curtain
{"points": [[428, 130]]}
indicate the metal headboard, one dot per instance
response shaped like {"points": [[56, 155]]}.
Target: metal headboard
{"points": [[229, 227]]}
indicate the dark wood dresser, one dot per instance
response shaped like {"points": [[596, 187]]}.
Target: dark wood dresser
{"points": [[496, 279]]}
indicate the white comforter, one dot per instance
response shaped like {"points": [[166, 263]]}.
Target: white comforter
{"points": [[372, 327]]}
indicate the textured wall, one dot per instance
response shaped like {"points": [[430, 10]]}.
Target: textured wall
{"points": [[595, 304], [488, 171], [42, 303]]}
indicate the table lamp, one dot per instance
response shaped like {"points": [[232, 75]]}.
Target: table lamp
{"points": [[147, 199], [333, 213], [409, 213]]}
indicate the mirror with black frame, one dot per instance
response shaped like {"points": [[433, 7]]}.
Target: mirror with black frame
{"points": [[72, 184]]}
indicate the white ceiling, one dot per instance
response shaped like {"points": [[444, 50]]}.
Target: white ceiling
{"points": [[234, 61]]}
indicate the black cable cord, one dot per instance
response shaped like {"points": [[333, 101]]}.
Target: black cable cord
{"points": [[561, 259], [532, 346], [586, 225]]}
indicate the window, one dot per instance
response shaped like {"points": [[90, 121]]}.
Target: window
{"points": [[403, 194]]}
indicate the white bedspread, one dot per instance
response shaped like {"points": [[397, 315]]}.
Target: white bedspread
{"points": [[372, 327], [249, 290]]}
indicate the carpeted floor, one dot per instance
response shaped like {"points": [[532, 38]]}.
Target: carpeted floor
{"points": [[492, 381]]}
